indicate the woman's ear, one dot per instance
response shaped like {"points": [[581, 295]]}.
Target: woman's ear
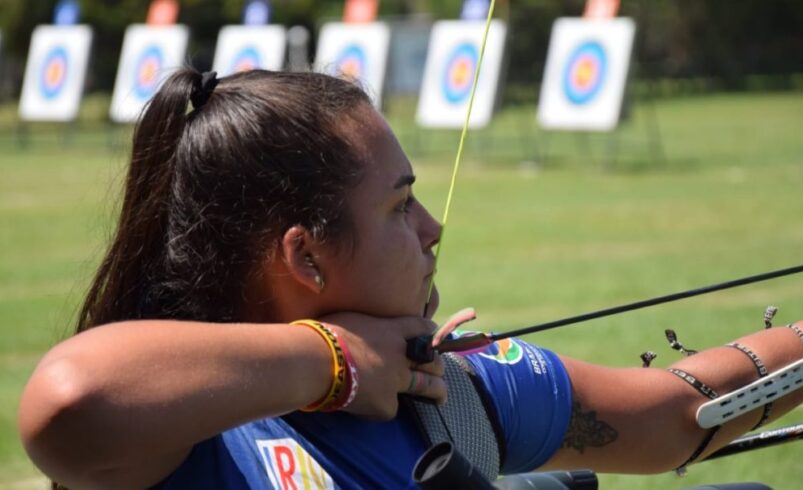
{"points": [[300, 251]]}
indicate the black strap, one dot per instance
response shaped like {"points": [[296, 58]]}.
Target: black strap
{"points": [[797, 330], [698, 385], [762, 371], [697, 452], [705, 390], [760, 367]]}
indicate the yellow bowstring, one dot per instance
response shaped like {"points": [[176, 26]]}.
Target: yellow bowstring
{"points": [[460, 147]]}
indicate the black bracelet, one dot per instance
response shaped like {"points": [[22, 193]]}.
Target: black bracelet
{"points": [[797, 330], [696, 383], [760, 367], [680, 470], [762, 371]]}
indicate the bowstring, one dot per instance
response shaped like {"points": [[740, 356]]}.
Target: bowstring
{"points": [[458, 157]]}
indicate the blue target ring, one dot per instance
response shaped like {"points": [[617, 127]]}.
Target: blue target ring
{"points": [[147, 71], [54, 73], [351, 62], [246, 59], [585, 72], [458, 74]]}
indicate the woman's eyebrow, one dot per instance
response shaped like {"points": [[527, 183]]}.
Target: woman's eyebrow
{"points": [[404, 180]]}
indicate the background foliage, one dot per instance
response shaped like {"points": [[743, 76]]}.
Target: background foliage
{"points": [[724, 43]]}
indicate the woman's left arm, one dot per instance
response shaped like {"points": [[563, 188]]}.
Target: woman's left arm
{"points": [[642, 420]]}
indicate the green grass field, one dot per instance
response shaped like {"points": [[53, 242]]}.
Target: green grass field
{"points": [[541, 227]]}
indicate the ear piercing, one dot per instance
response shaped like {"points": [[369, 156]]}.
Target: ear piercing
{"points": [[318, 279]]}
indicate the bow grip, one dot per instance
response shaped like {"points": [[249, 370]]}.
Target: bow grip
{"points": [[420, 350]]}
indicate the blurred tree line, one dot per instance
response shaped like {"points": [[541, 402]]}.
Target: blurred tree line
{"points": [[724, 41]]}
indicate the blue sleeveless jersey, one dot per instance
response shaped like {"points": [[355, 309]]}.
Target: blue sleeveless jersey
{"points": [[531, 394]]}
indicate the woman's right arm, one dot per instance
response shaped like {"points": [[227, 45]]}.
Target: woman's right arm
{"points": [[121, 405]]}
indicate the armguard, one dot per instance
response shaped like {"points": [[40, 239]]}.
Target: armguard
{"points": [[756, 394]]}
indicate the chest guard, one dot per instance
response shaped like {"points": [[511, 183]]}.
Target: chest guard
{"points": [[467, 419]]}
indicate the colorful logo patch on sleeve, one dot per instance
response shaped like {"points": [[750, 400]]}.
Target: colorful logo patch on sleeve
{"points": [[507, 352], [290, 467]]}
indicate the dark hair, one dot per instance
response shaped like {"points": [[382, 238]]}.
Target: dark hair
{"points": [[209, 190]]}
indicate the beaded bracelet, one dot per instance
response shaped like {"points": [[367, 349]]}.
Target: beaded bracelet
{"points": [[352, 381], [339, 367]]}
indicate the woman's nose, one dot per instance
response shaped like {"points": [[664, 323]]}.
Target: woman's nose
{"points": [[429, 230]]}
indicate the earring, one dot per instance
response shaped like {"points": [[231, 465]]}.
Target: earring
{"points": [[319, 281]]}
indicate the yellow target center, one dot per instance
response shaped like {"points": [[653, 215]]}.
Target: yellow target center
{"points": [[461, 73], [350, 68], [54, 73], [148, 72], [584, 73]]}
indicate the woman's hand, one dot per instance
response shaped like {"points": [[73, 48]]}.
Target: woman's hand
{"points": [[378, 347]]}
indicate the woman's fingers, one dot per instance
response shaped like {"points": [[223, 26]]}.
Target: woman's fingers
{"points": [[435, 368], [426, 385], [378, 349]]}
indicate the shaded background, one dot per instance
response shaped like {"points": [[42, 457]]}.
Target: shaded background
{"points": [[720, 44]]}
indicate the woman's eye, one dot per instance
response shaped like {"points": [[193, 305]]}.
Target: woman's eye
{"points": [[404, 207]]}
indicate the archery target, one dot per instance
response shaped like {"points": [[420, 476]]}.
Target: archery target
{"points": [[452, 58], [55, 73], [243, 48], [585, 74], [355, 51], [146, 72], [149, 54], [350, 63], [458, 73], [247, 59]]}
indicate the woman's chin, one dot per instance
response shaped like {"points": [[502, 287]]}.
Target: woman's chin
{"points": [[432, 305]]}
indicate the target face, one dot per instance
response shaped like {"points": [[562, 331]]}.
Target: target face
{"points": [[458, 74], [452, 60], [585, 72], [146, 72], [150, 54], [247, 59], [356, 52], [54, 73], [351, 62]]}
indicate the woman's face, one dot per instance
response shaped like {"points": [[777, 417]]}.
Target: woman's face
{"points": [[388, 270]]}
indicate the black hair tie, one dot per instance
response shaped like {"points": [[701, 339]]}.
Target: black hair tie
{"points": [[202, 91]]}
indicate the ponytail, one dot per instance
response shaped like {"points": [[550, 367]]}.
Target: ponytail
{"points": [[116, 292]]}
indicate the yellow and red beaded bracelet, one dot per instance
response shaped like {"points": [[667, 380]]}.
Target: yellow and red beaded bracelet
{"points": [[340, 369]]}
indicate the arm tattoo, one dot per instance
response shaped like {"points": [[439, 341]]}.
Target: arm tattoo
{"points": [[586, 431]]}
